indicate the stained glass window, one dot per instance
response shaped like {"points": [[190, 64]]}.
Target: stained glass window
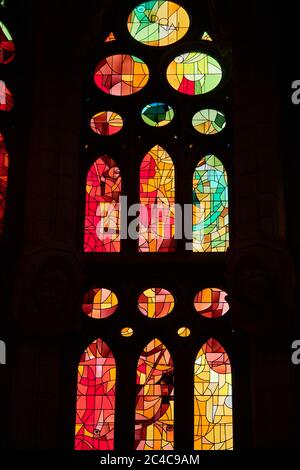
{"points": [[210, 206], [106, 123], [209, 121], [121, 75], [213, 399], [156, 302], [136, 62], [158, 23], [211, 303], [157, 114], [154, 413], [102, 210], [6, 99], [7, 47], [157, 202], [4, 161], [100, 303], [194, 73], [95, 417]]}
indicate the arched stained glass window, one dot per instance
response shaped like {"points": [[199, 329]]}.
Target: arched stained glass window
{"points": [[6, 98], [154, 413], [210, 206], [95, 416], [157, 202], [4, 161], [7, 47], [213, 399], [102, 209]]}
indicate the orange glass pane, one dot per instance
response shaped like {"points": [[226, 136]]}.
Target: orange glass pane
{"points": [[211, 303], [99, 303], [156, 303], [121, 75]]}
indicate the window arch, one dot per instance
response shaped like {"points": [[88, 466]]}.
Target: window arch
{"points": [[210, 206], [102, 209], [157, 202], [213, 398], [96, 382], [154, 413]]}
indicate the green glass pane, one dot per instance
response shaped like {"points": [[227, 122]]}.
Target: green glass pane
{"points": [[157, 114], [209, 121]]}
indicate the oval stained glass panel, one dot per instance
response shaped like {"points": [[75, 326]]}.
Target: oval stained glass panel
{"points": [[127, 332], [121, 75], [99, 303], [209, 121], [157, 114], [156, 303], [184, 332], [194, 73], [158, 23], [106, 123], [211, 303]]}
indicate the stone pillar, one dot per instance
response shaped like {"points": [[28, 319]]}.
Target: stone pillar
{"points": [[48, 286], [259, 268]]}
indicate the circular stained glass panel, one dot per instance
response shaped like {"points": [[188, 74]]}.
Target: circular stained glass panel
{"points": [[157, 114], [106, 123], [211, 303], [156, 303], [209, 121], [121, 75], [127, 332], [99, 303], [184, 332]]}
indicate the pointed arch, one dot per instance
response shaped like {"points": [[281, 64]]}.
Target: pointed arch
{"points": [[154, 413], [157, 202], [102, 208], [4, 162], [212, 398], [210, 206], [95, 411]]}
